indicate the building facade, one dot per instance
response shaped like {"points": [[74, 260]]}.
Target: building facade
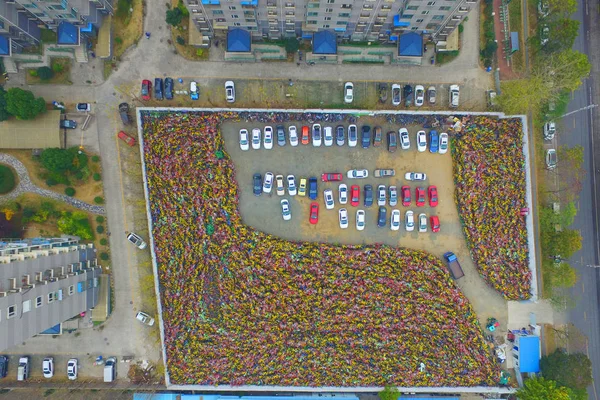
{"points": [[44, 282], [352, 20]]}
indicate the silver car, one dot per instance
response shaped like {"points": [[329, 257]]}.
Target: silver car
{"points": [[136, 240]]}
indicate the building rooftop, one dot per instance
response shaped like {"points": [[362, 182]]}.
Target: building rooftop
{"points": [[410, 44], [238, 40], [324, 42], [43, 132]]}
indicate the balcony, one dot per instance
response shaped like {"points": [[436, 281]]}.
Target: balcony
{"points": [[249, 3], [290, 5], [271, 4], [193, 2], [463, 9]]}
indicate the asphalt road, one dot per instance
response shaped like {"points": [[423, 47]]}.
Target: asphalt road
{"points": [[578, 129]]}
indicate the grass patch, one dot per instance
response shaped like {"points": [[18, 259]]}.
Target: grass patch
{"points": [[8, 180], [186, 50], [516, 25], [127, 29], [443, 57], [62, 73], [109, 66], [48, 36]]}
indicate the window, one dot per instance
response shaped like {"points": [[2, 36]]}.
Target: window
{"points": [[444, 8], [344, 15], [348, 6], [327, 18], [330, 1], [217, 12], [437, 18], [237, 24], [431, 3], [329, 10], [12, 310], [235, 16], [39, 302], [30, 5], [26, 306], [412, 7], [425, 12], [311, 22], [414, 28], [312, 14], [232, 7], [59, 7], [50, 297], [71, 290], [406, 16], [419, 20], [325, 26], [312, 5], [342, 23]]}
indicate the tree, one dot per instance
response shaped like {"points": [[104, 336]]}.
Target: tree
{"points": [[568, 335], [292, 45], [174, 16], [563, 32], [571, 370], [563, 275], [75, 223], [45, 73], [23, 105], [57, 160], [565, 243], [562, 7], [4, 114], [542, 389], [570, 172], [389, 393]]}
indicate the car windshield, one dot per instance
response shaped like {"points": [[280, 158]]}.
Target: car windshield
{"points": [[144, 89]]}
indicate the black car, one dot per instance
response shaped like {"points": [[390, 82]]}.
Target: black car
{"points": [[68, 124], [381, 217], [339, 135], [124, 113], [3, 366], [280, 135], [312, 188], [368, 189], [169, 88], [392, 141], [257, 179], [366, 136], [158, 88], [408, 95]]}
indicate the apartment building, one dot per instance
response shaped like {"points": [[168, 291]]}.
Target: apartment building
{"points": [[44, 282], [351, 20]]}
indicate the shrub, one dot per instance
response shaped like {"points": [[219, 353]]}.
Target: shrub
{"points": [[98, 200], [199, 52], [103, 241], [51, 182], [100, 229], [97, 177], [118, 40], [57, 66], [75, 223], [99, 219], [292, 45], [7, 179], [183, 8], [461, 28], [70, 192], [104, 256], [95, 158], [174, 16], [45, 73], [33, 72], [79, 175], [180, 40]]}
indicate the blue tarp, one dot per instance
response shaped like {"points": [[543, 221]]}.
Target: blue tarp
{"points": [[238, 40], [67, 33], [410, 45], [4, 45], [529, 354], [514, 41], [88, 29], [324, 42], [397, 21], [55, 330]]}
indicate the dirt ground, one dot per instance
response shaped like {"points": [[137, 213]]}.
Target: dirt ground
{"points": [[264, 212]]}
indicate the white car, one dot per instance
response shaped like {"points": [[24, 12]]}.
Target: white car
{"points": [[72, 369], [415, 176], [268, 182], [48, 367], [279, 185], [194, 93], [404, 138], [244, 143], [268, 140], [286, 213], [83, 107], [144, 318], [419, 95], [431, 94], [343, 217], [230, 91], [454, 96], [328, 196], [316, 135], [421, 141], [381, 195], [343, 193], [348, 92], [328, 136], [422, 223], [352, 136], [291, 181], [293, 133], [396, 94], [409, 221], [549, 130], [360, 220], [256, 138], [136, 240], [395, 220], [358, 173], [443, 148]]}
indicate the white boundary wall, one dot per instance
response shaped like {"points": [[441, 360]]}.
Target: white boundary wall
{"points": [[225, 388]]}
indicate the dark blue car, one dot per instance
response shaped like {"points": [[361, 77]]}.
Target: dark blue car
{"points": [[158, 88], [169, 88], [312, 188], [257, 184], [434, 142], [368, 189], [366, 136]]}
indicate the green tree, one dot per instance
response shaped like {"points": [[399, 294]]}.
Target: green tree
{"points": [[389, 393], [562, 7], [542, 389], [57, 160], [4, 114], [45, 73], [571, 370], [23, 104], [184, 11], [174, 16], [75, 223], [292, 45], [570, 172], [563, 32], [565, 243], [563, 275]]}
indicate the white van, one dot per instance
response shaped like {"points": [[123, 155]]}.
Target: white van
{"points": [[110, 369], [23, 369], [454, 96]]}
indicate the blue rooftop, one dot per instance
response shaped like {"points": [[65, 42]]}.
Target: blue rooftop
{"points": [[529, 354], [324, 42], [410, 45], [67, 33], [238, 40], [397, 21], [4, 45]]}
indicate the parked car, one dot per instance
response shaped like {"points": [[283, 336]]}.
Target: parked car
{"points": [[305, 135], [3, 366], [354, 195], [433, 196], [257, 184], [244, 142], [126, 138], [551, 160], [268, 137], [408, 95], [146, 89], [434, 141], [422, 223], [331, 177], [368, 201], [286, 213], [409, 221], [393, 195], [194, 92], [230, 91], [280, 135], [365, 136], [549, 130], [339, 135], [328, 136], [316, 135], [83, 107], [395, 220], [48, 367], [343, 193], [431, 95], [256, 138], [23, 368], [328, 197], [158, 88], [314, 213], [68, 124], [268, 182], [136, 240], [377, 136], [291, 184], [293, 133], [421, 141], [352, 136], [392, 141], [384, 173], [358, 173], [454, 96], [420, 196], [72, 369], [415, 176], [360, 220], [406, 199], [312, 188], [280, 189], [434, 222], [381, 195], [419, 95], [144, 318], [396, 94], [124, 113], [302, 187], [444, 142], [404, 138], [348, 92], [381, 217], [343, 218], [169, 88]]}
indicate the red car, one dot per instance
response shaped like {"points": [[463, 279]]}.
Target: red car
{"points": [[420, 195], [434, 222], [331, 177], [126, 138], [354, 195], [405, 190], [146, 89], [305, 135], [432, 193], [314, 212]]}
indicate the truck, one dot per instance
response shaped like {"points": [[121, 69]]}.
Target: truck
{"points": [[453, 265], [110, 369], [23, 369], [383, 173]]}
